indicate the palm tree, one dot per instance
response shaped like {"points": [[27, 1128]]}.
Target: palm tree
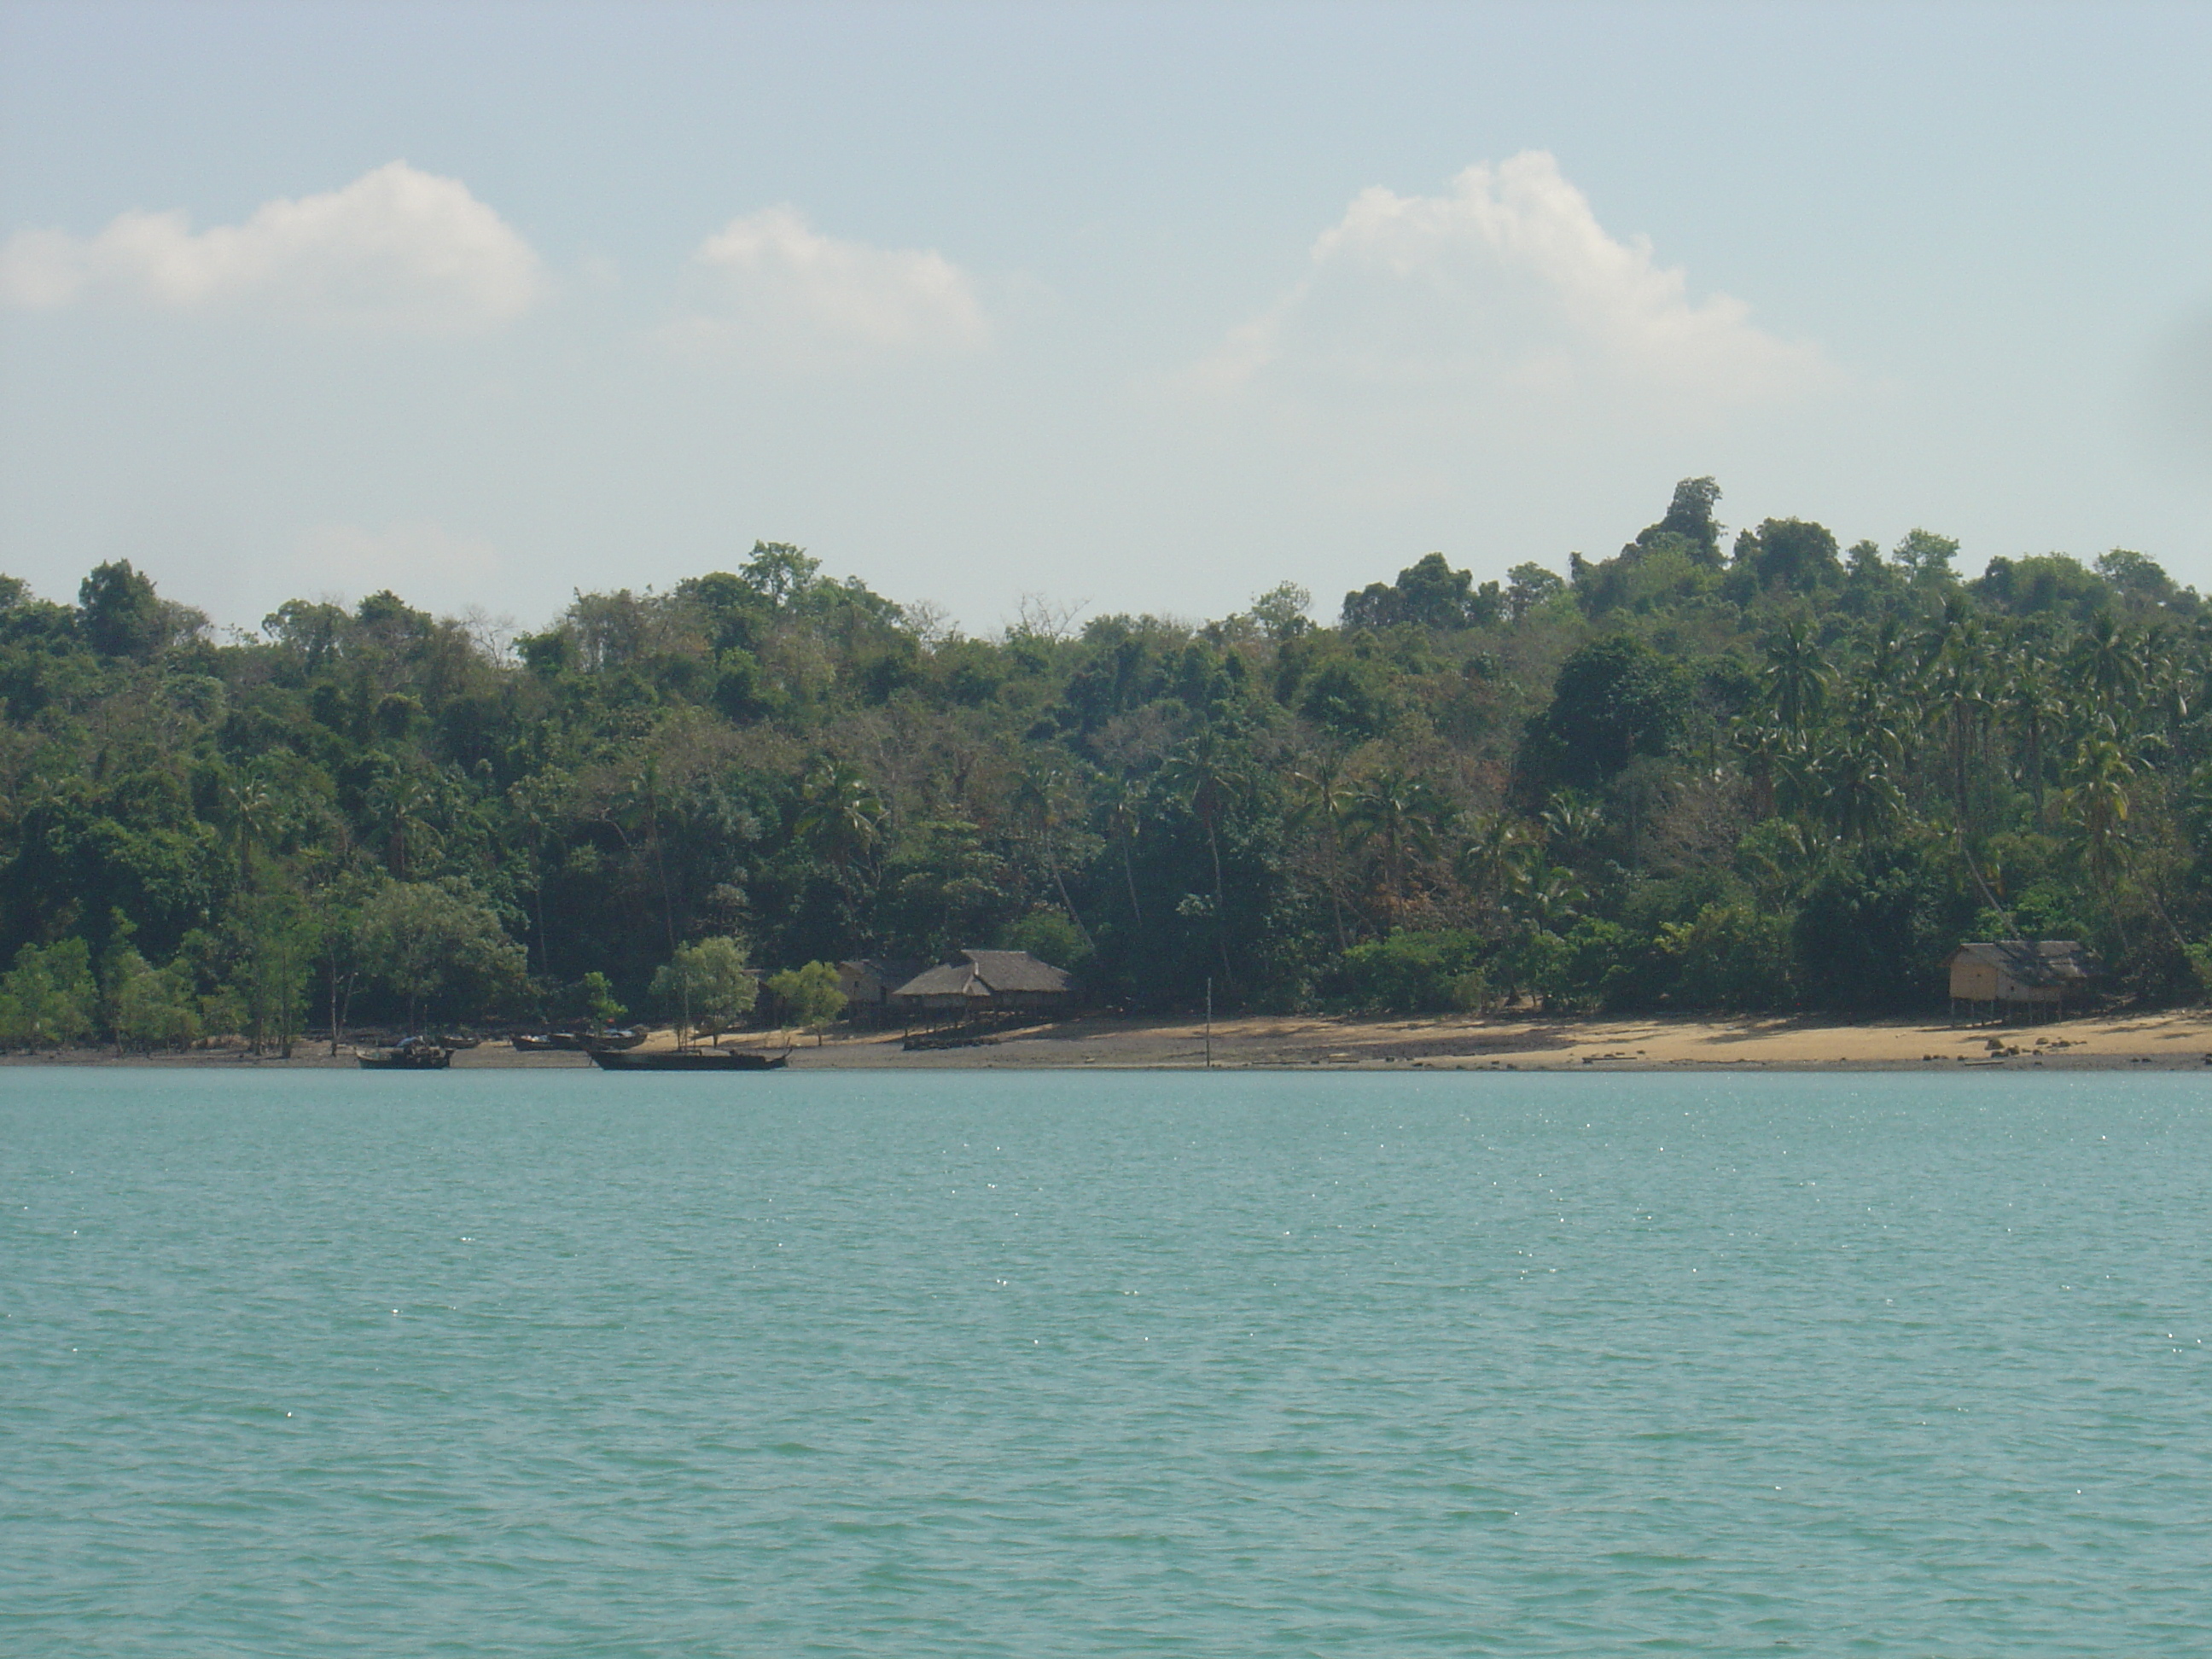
{"points": [[1547, 895], [1205, 772], [840, 814], [2097, 799], [1797, 677], [1038, 794], [1325, 796], [399, 802], [1495, 856], [1858, 796], [531, 803], [253, 811], [1955, 678], [1402, 813], [2030, 707], [2107, 662], [1573, 824], [1125, 818]]}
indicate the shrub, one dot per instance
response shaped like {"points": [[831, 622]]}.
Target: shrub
{"points": [[1409, 972], [1730, 956], [48, 998]]}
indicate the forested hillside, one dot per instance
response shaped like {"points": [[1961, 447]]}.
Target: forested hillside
{"points": [[1704, 773]]}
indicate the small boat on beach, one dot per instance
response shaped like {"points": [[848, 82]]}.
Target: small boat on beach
{"points": [[628, 1036], [688, 1059], [413, 1055]]}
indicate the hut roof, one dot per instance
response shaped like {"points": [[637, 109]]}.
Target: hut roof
{"points": [[884, 970], [953, 978], [2035, 960], [1016, 970], [985, 974]]}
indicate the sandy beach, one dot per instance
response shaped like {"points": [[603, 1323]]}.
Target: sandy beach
{"points": [[2166, 1040]]}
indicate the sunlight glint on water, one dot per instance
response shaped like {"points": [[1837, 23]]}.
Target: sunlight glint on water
{"points": [[1041, 1364]]}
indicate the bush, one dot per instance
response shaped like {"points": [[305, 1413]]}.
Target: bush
{"points": [[1729, 957], [1601, 966], [48, 999], [151, 1007], [1409, 972], [1049, 936], [1873, 933]]}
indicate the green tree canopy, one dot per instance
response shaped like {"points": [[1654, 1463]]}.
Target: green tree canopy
{"points": [[705, 987]]}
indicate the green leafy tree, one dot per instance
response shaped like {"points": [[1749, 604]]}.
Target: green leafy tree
{"points": [[439, 943], [48, 999], [705, 987], [274, 938], [121, 614], [810, 995], [149, 1007], [592, 1002]]}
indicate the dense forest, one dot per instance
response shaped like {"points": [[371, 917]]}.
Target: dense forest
{"points": [[1757, 772]]}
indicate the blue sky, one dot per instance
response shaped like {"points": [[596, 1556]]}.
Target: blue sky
{"points": [[1137, 308]]}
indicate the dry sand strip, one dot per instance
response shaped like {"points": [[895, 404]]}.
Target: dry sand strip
{"points": [[2171, 1041], [2167, 1041]]}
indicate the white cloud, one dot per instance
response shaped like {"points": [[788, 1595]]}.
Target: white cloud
{"points": [[771, 279], [396, 248], [1508, 279]]}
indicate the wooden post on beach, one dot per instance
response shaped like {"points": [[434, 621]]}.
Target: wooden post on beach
{"points": [[1209, 1022]]}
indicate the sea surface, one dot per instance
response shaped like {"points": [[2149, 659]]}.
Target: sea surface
{"points": [[557, 1363]]}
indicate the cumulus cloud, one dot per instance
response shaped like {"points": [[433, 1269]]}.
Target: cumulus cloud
{"points": [[397, 247], [1508, 279], [770, 279]]}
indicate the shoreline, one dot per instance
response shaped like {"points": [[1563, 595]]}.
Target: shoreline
{"points": [[2161, 1041]]}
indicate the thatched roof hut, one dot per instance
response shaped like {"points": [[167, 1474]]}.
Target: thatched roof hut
{"points": [[2038, 972], [987, 979]]}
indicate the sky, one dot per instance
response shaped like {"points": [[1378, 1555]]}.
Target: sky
{"points": [[1104, 307]]}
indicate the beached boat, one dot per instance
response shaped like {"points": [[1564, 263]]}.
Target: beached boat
{"points": [[415, 1055], [688, 1059], [628, 1036]]}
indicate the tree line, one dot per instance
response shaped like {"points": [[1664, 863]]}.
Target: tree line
{"points": [[1707, 772]]}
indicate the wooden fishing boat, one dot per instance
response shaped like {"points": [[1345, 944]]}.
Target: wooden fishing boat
{"points": [[415, 1055], [688, 1059], [628, 1036]]}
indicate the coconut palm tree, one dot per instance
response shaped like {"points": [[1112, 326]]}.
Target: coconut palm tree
{"points": [[1324, 797], [1125, 820], [1493, 859], [1797, 676], [1039, 797], [1206, 774], [1400, 815]]}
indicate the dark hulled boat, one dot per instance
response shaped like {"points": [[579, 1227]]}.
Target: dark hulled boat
{"points": [[628, 1036], [415, 1055], [687, 1060]]}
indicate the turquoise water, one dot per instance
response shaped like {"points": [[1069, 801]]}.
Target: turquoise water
{"points": [[557, 1363]]}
